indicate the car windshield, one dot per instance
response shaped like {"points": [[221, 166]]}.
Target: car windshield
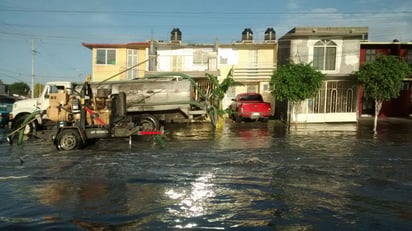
{"points": [[251, 98], [6, 107]]}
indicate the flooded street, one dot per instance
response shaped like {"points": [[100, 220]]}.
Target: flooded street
{"points": [[250, 176]]}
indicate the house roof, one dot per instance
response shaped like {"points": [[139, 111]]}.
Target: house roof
{"points": [[133, 45], [347, 32]]}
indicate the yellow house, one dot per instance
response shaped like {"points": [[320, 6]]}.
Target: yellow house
{"points": [[118, 61], [252, 64]]}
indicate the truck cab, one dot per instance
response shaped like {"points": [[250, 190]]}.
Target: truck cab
{"points": [[23, 108]]}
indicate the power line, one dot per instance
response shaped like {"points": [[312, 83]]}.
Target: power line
{"points": [[145, 12]]}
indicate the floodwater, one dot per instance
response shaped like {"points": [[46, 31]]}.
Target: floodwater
{"points": [[249, 176]]}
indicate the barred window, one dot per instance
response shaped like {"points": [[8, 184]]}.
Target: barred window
{"points": [[324, 55], [200, 57]]}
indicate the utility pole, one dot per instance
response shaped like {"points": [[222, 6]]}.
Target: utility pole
{"points": [[33, 53]]}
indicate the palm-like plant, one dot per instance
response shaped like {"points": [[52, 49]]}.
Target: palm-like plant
{"points": [[215, 96]]}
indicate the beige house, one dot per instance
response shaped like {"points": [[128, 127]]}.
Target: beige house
{"points": [[112, 60], [252, 63]]}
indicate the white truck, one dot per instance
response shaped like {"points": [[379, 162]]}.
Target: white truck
{"points": [[170, 97]]}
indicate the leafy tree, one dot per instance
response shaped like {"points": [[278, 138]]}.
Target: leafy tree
{"points": [[215, 96], [38, 88], [295, 82], [19, 88], [382, 80]]}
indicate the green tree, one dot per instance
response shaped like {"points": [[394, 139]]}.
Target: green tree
{"points": [[382, 80], [295, 83], [19, 88], [215, 96], [38, 89]]}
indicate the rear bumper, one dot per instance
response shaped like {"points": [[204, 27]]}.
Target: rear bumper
{"points": [[255, 115]]}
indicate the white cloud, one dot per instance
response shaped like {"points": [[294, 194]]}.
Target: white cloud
{"points": [[383, 25]]}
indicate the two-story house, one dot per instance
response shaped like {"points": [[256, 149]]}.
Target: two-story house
{"points": [[119, 61], [401, 106], [194, 60], [252, 63], [335, 52]]}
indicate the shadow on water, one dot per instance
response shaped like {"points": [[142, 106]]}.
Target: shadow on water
{"points": [[247, 176]]}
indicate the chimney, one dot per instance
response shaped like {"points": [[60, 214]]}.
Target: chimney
{"points": [[176, 36]]}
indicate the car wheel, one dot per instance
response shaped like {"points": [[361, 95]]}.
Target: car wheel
{"points": [[238, 118]]}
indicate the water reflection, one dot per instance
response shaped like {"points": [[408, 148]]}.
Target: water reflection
{"points": [[192, 201], [247, 176]]}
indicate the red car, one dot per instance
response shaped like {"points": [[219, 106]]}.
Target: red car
{"points": [[249, 106]]}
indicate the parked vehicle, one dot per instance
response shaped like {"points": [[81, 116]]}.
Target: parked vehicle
{"points": [[150, 101], [82, 117], [6, 106], [249, 106]]}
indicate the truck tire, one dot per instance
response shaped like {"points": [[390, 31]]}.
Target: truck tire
{"points": [[29, 128], [68, 139], [148, 122]]}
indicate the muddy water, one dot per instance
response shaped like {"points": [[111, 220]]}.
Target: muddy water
{"points": [[249, 176]]}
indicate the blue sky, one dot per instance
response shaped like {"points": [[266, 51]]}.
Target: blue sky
{"points": [[58, 27]]}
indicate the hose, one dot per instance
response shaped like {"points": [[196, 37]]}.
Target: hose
{"points": [[26, 121]]}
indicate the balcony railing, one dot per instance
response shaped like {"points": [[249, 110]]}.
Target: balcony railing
{"points": [[253, 73]]}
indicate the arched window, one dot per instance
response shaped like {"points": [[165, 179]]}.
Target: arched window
{"points": [[324, 55]]}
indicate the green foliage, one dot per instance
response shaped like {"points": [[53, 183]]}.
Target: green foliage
{"points": [[38, 88], [216, 94], [382, 79], [296, 82], [19, 88]]}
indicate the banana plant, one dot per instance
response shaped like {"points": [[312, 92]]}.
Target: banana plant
{"points": [[215, 95]]}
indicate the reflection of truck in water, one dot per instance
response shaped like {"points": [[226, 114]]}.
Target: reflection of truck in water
{"points": [[170, 97]]}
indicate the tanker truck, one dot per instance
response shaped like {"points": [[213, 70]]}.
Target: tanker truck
{"points": [[83, 117], [149, 102]]}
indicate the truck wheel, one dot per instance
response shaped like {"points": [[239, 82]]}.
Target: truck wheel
{"points": [[68, 139], [29, 128], [148, 122]]}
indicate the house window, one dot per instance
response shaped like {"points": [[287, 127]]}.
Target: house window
{"points": [[370, 55], [324, 55], [106, 56], [131, 61], [200, 57], [177, 63], [223, 60], [410, 57], [253, 58]]}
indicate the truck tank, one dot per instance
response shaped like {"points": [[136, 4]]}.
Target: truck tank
{"points": [[169, 98]]}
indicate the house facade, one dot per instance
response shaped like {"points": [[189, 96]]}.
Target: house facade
{"points": [[112, 61], [401, 106], [194, 60], [335, 52], [252, 63]]}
